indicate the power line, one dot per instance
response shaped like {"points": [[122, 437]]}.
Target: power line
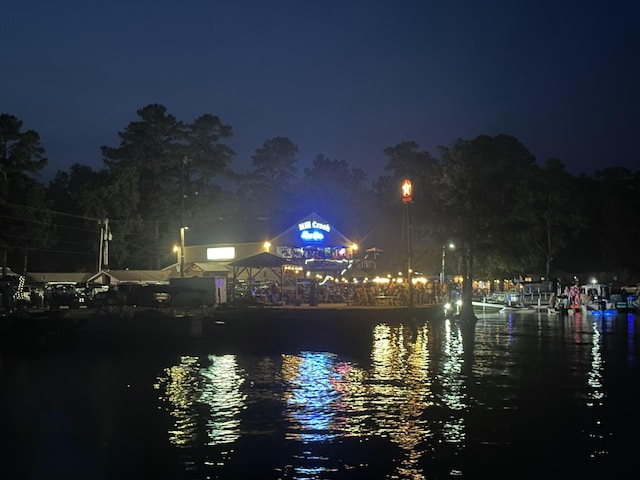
{"points": [[83, 217], [68, 252], [58, 226]]}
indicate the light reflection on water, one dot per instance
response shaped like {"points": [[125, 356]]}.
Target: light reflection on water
{"points": [[221, 392], [187, 385], [181, 388], [313, 399], [596, 393], [324, 398], [532, 384]]}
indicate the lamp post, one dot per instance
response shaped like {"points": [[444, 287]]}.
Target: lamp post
{"points": [[407, 199], [182, 229], [176, 250], [444, 253]]}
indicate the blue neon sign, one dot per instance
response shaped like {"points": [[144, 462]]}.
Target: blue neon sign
{"points": [[311, 235]]}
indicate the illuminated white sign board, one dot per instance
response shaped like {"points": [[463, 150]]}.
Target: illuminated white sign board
{"points": [[221, 253], [310, 230]]}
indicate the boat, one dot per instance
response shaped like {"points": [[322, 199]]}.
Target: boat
{"points": [[519, 308], [623, 303], [601, 297]]}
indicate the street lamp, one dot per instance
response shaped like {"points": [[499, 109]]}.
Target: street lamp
{"points": [[407, 199], [451, 246]]}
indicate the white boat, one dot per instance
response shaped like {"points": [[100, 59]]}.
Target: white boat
{"points": [[519, 308], [491, 306], [501, 307]]}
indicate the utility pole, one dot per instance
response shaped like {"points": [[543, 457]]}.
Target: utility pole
{"points": [[185, 162], [105, 238], [182, 251]]}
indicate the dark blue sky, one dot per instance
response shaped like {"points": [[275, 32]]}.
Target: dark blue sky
{"points": [[341, 78]]}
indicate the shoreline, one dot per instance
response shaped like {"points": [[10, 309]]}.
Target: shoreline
{"points": [[247, 328], [330, 327]]}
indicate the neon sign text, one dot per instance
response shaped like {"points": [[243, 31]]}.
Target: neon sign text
{"points": [[311, 235], [308, 224]]}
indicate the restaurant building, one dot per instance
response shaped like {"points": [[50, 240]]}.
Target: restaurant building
{"points": [[310, 251], [312, 244]]}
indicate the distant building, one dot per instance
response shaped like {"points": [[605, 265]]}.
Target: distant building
{"points": [[312, 243]]}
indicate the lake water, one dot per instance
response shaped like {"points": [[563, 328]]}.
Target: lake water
{"points": [[532, 395]]}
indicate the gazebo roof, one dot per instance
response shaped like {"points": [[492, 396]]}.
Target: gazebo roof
{"points": [[261, 260]]}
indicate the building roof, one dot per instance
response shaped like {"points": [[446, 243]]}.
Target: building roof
{"points": [[291, 236], [255, 264], [44, 277], [131, 276]]}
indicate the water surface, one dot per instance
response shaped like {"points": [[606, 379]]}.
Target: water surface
{"points": [[529, 395]]}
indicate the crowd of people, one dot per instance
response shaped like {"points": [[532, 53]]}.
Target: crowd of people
{"points": [[351, 293]]}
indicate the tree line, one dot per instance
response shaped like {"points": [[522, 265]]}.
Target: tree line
{"points": [[506, 213]]}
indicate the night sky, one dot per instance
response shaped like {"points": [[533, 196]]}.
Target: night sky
{"points": [[341, 78]]}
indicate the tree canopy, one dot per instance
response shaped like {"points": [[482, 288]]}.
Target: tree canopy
{"points": [[25, 217], [507, 214]]}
